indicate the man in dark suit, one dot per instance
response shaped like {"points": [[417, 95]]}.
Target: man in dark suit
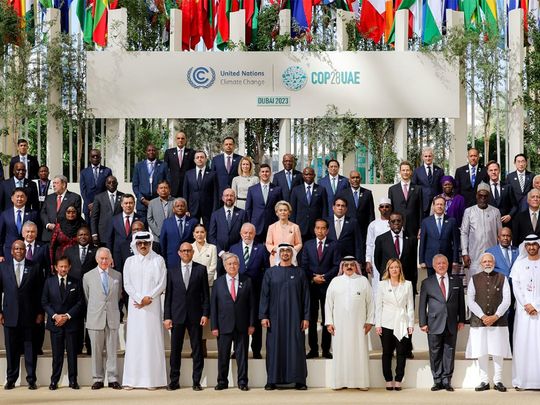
{"points": [[468, 177], [527, 222], [345, 230], [175, 231], [121, 228], [520, 180], [428, 176], [439, 234], [225, 225], [254, 260], [233, 320], [320, 261], [63, 301], [55, 205], [442, 296], [20, 313], [201, 189], [407, 199], [179, 160], [43, 184], [30, 162], [146, 176], [289, 177], [187, 307], [106, 205], [19, 181], [308, 201], [225, 165], [261, 201], [92, 181], [333, 183], [501, 195]]}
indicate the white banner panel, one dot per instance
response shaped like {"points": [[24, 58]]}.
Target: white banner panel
{"points": [[270, 84]]}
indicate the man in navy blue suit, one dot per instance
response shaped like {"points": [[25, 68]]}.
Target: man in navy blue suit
{"points": [[146, 176], [308, 201], [179, 160], [333, 183], [438, 234], [469, 176], [201, 189], [121, 224], [520, 180], [18, 180], [260, 202], [225, 165], [92, 181], [428, 176], [20, 313], [289, 177], [345, 230], [320, 261], [233, 319], [254, 260], [175, 231], [63, 301]]}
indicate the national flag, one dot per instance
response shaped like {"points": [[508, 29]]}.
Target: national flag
{"points": [[252, 19], [206, 15], [514, 4], [224, 8], [63, 6], [388, 18], [489, 10], [433, 17], [371, 23], [403, 5], [30, 21], [302, 13], [88, 29], [99, 16], [471, 9], [81, 12]]}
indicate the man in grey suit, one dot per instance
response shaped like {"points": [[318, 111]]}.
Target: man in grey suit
{"points": [[103, 289], [160, 209], [441, 313]]}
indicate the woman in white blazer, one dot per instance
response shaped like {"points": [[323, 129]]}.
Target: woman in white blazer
{"points": [[394, 320]]}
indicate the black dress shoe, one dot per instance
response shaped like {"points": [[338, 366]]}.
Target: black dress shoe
{"points": [[499, 387], [74, 386], [410, 355], [312, 355], [389, 388], [32, 386], [197, 387], [437, 387], [97, 385], [220, 387], [173, 387], [115, 385], [270, 387], [257, 356], [300, 387], [448, 388], [482, 387], [243, 387], [397, 388], [327, 355], [9, 385], [53, 386]]}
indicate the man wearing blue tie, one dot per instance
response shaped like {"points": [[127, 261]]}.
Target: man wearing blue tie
{"points": [[146, 176], [334, 183], [176, 230]]}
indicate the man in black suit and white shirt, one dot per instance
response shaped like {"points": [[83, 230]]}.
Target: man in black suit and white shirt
{"points": [[179, 160], [521, 179], [30, 162], [345, 230], [201, 189], [19, 181], [428, 176], [468, 177], [501, 195], [106, 205]]}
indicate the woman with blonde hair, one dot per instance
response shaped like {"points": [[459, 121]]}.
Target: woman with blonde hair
{"points": [[283, 231], [244, 180], [394, 321]]}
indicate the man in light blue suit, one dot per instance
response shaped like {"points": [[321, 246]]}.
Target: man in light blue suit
{"points": [[92, 182], [175, 231], [146, 176], [333, 183]]}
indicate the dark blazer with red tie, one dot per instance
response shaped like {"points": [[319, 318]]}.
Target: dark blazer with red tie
{"points": [[49, 215], [326, 265], [176, 173], [119, 235], [411, 208], [220, 233], [219, 166]]}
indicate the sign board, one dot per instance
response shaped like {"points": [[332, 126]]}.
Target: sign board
{"points": [[271, 84]]}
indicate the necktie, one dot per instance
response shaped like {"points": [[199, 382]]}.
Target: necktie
{"points": [[396, 244], [83, 254], [334, 185], [151, 174], [246, 255], [308, 195], [58, 203], [199, 177], [355, 196], [105, 282], [180, 157], [507, 257], [113, 201], [181, 227], [19, 221], [29, 253], [534, 220], [18, 273], [62, 288], [228, 164], [319, 250], [429, 175], [289, 180], [265, 193], [20, 183], [127, 226], [496, 192], [233, 290], [96, 175], [338, 228], [522, 181], [405, 190], [229, 218], [443, 287], [42, 187], [439, 224], [473, 175], [186, 276]]}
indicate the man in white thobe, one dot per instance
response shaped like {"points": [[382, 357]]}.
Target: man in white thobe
{"points": [[479, 229], [145, 279], [488, 298], [349, 313], [525, 277]]}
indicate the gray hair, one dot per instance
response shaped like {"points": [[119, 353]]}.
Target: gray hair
{"points": [[180, 199], [29, 224], [427, 149], [62, 178], [228, 255], [439, 256]]}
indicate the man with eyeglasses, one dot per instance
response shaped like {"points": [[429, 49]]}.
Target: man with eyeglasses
{"points": [[526, 222]]}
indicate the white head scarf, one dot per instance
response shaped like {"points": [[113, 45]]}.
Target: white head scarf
{"points": [[141, 236], [285, 246], [349, 259]]}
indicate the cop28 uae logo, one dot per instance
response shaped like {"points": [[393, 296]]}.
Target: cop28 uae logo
{"points": [[294, 78], [201, 77]]}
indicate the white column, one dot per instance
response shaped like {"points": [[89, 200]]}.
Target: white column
{"points": [[54, 127], [237, 28], [458, 126], [284, 145], [515, 93], [402, 44], [175, 45], [115, 129]]}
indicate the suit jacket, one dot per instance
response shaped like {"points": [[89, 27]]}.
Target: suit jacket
{"points": [[118, 235], [224, 178], [89, 187], [43, 191], [170, 238], [102, 212], [513, 181], [41, 258], [187, 306], [102, 310], [432, 243], [303, 213], [227, 315], [522, 226], [202, 198], [437, 312], [429, 190], [350, 240], [48, 212], [463, 183], [385, 250], [72, 303], [78, 269], [259, 261], [8, 228], [505, 203], [327, 266], [342, 184], [364, 213], [21, 305], [155, 215], [31, 191], [411, 208], [280, 180], [501, 265], [220, 234], [176, 173], [33, 166], [141, 181], [261, 215]]}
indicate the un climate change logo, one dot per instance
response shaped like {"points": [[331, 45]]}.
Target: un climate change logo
{"points": [[201, 77], [294, 78]]}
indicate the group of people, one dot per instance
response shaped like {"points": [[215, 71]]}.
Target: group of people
{"points": [[221, 253]]}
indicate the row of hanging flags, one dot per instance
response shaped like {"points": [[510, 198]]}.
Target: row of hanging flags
{"points": [[208, 20]]}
